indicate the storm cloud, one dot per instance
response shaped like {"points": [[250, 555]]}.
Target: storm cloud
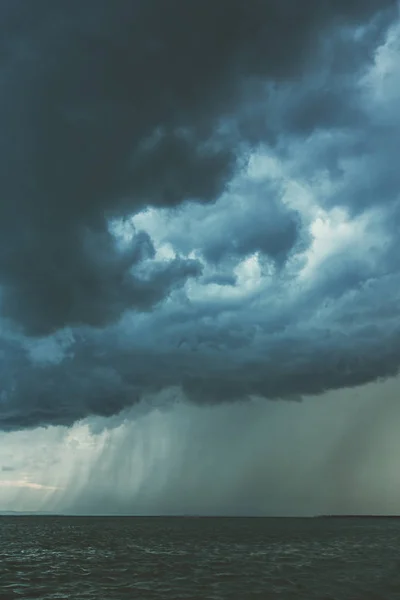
{"points": [[199, 196]]}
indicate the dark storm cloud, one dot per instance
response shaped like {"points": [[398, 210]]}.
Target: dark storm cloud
{"points": [[108, 108], [213, 359], [86, 278], [111, 106], [281, 349]]}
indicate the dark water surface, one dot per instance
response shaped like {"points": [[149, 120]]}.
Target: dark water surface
{"points": [[184, 558]]}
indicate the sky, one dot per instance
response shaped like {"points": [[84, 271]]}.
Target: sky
{"points": [[199, 289]]}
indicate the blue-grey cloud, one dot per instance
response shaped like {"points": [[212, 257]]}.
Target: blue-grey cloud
{"points": [[250, 218], [153, 115], [107, 108]]}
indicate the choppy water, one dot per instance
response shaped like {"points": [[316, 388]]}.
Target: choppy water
{"points": [[177, 558]]}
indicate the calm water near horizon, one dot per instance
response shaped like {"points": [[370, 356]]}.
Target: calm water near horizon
{"points": [[113, 558]]}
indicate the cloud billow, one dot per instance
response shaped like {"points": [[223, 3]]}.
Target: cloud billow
{"points": [[153, 111]]}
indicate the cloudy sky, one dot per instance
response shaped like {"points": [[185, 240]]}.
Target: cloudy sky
{"points": [[199, 289]]}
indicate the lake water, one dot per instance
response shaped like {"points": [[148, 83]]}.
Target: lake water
{"points": [[207, 558]]}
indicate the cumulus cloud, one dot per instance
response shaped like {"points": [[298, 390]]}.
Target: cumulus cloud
{"points": [[200, 196]]}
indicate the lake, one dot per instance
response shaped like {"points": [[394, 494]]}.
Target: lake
{"points": [[107, 558]]}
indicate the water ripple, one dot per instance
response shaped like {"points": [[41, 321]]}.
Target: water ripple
{"points": [[49, 558]]}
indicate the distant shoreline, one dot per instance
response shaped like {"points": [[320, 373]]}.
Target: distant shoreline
{"points": [[357, 516], [71, 515]]}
